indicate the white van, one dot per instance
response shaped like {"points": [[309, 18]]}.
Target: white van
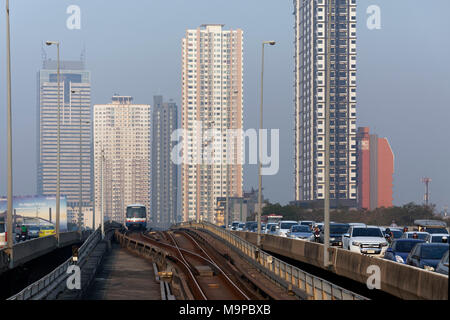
{"points": [[284, 227]]}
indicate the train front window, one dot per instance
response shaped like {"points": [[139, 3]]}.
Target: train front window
{"points": [[136, 212]]}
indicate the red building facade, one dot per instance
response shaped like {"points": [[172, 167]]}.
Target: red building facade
{"points": [[375, 170]]}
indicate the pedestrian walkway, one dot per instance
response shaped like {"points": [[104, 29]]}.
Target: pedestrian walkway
{"points": [[124, 276]]}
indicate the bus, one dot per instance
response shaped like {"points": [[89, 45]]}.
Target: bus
{"points": [[136, 217]]}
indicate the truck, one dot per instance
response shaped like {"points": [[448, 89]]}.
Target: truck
{"points": [[431, 226]]}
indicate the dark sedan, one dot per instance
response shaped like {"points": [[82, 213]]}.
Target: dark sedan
{"points": [[250, 225], [427, 255], [336, 232], [400, 248]]}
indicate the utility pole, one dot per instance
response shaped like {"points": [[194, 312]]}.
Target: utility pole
{"points": [[227, 204], [227, 200], [326, 204], [101, 202], [9, 218], [427, 182], [58, 141], [258, 239], [80, 212]]}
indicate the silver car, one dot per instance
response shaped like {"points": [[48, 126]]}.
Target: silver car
{"points": [[437, 238], [33, 231], [269, 228], [442, 266]]}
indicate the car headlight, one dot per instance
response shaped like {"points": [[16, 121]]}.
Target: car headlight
{"points": [[355, 243], [399, 259], [332, 239], [429, 268], [384, 244]]}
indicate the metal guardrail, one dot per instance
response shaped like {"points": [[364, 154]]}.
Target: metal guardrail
{"points": [[43, 287], [282, 273]]}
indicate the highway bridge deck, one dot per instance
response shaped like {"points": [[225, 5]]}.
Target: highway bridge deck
{"points": [[124, 276]]}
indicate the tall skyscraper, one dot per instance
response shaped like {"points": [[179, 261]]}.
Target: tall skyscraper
{"points": [[75, 117], [164, 170], [212, 99], [375, 170], [311, 28], [122, 136]]}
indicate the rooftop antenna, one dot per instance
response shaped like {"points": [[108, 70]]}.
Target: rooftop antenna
{"points": [[427, 182]]}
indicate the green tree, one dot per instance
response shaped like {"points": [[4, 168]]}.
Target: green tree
{"points": [[403, 215]]}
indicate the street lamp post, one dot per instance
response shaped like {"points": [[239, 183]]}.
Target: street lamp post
{"points": [[326, 204], [80, 213], [203, 165], [58, 169], [80, 204], [101, 183], [227, 204], [9, 218], [258, 243]]}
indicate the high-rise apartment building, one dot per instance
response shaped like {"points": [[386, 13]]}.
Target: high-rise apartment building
{"points": [[311, 29], [375, 170], [212, 99], [164, 170], [122, 137], [75, 134]]}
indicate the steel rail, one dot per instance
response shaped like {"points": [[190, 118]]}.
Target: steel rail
{"points": [[284, 274], [215, 264], [185, 265], [189, 269], [192, 253]]}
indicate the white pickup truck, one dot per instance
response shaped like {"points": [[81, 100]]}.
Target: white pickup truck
{"points": [[368, 240]]}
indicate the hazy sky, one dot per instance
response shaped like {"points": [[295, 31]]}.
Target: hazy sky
{"points": [[134, 48]]}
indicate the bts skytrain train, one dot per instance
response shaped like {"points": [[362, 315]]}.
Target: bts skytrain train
{"points": [[136, 217]]}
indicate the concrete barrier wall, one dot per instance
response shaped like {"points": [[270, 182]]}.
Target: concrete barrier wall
{"points": [[400, 280], [26, 251], [403, 281], [4, 261], [29, 250], [68, 238]]}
